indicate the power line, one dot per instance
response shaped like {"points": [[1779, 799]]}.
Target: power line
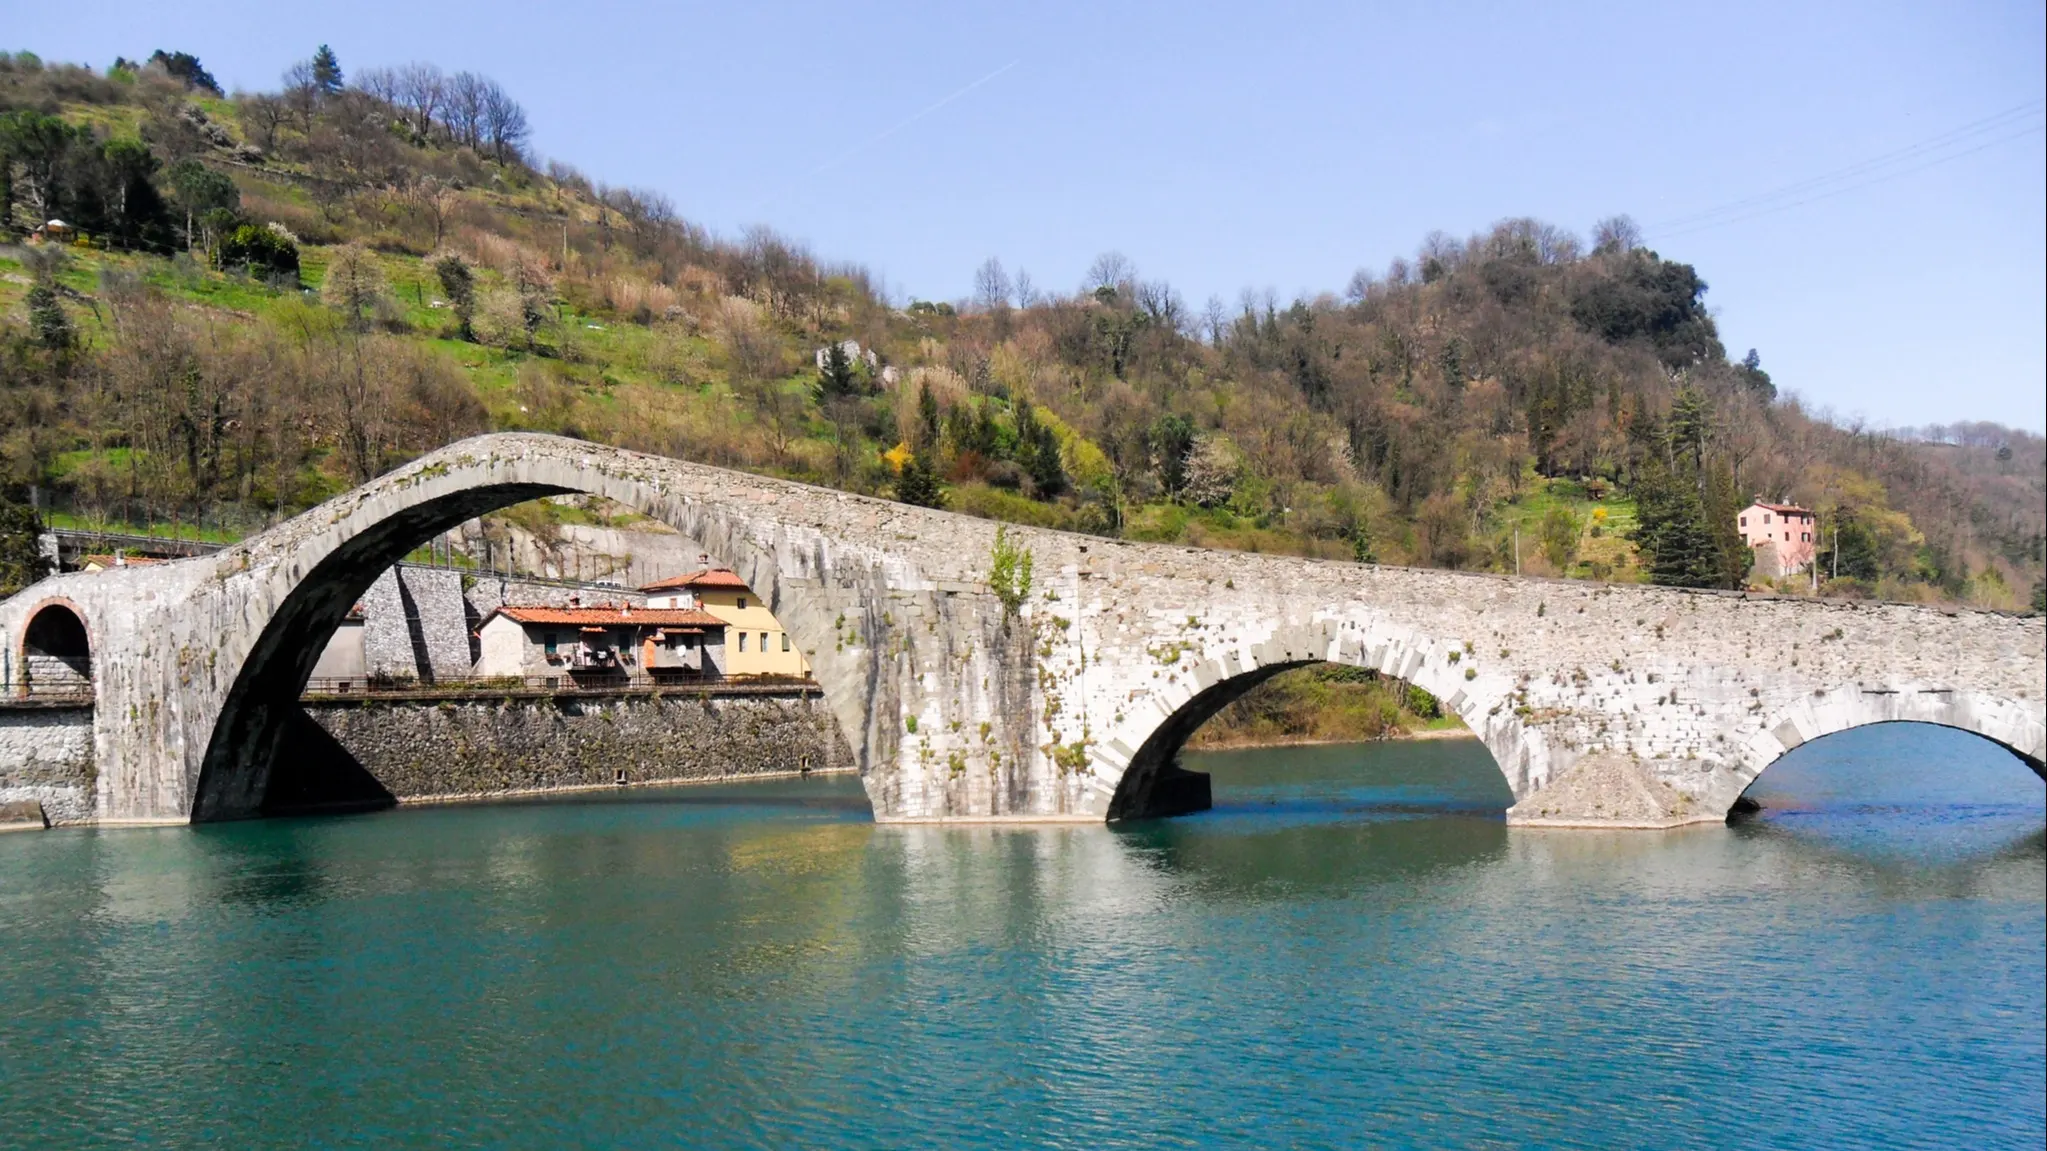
{"points": [[1854, 187], [1862, 173]]}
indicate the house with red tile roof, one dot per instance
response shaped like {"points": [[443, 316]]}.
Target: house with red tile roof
{"points": [[1782, 536], [603, 642], [100, 563], [756, 642]]}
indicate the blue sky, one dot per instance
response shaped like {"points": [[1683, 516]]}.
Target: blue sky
{"points": [[1285, 145]]}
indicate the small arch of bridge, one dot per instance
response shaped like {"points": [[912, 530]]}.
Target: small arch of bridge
{"points": [[1141, 760], [2003, 722], [53, 654]]}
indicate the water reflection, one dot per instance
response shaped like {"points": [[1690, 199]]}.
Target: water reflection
{"points": [[1353, 947]]}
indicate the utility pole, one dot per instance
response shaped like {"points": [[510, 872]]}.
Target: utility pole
{"points": [[1517, 548]]}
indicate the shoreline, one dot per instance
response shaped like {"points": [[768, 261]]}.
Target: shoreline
{"points": [[1309, 741]]}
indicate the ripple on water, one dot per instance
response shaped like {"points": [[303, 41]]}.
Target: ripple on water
{"points": [[1351, 949]]}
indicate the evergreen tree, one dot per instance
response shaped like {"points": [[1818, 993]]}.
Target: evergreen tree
{"points": [[1731, 557], [22, 561], [326, 72], [185, 67], [1672, 532], [460, 284], [927, 420], [835, 379], [1363, 548], [1037, 449], [46, 318], [203, 194], [1170, 438], [917, 483], [40, 151], [1754, 378], [1691, 420]]}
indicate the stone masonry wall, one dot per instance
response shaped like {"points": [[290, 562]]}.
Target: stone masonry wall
{"points": [[46, 756], [415, 625], [420, 621], [421, 749]]}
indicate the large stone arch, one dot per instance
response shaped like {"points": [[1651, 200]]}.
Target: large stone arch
{"points": [[2005, 722], [1138, 760], [325, 569]]}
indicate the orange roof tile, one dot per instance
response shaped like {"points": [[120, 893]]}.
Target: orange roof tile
{"points": [[708, 577], [611, 616]]}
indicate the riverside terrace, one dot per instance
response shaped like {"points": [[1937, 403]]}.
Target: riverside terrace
{"points": [[1603, 705]]}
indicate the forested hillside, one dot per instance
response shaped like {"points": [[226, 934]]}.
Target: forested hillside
{"points": [[256, 300]]}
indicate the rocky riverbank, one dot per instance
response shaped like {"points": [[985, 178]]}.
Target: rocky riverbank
{"points": [[1247, 742]]}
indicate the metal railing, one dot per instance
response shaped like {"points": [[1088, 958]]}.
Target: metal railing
{"points": [[498, 686]]}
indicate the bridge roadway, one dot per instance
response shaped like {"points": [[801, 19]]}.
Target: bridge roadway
{"points": [[1603, 705]]}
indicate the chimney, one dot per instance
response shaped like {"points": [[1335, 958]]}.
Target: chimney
{"points": [[704, 558], [575, 601]]}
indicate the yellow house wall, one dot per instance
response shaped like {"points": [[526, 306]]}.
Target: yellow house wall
{"points": [[755, 621]]}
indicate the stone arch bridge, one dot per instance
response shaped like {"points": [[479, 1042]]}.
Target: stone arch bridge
{"points": [[1602, 705]]}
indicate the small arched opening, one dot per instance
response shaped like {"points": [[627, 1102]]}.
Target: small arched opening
{"points": [[1898, 781], [56, 653], [1330, 727]]}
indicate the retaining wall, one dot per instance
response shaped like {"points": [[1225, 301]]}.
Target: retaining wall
{"points": [[46, 757], [422, 749]]}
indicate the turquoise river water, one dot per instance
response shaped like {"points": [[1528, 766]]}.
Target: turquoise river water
{"points": [[1351, 950]]}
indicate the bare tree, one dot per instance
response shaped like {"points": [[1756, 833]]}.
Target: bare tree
{"points": [[262, 116], [1110, 270], [991, 286], [301, 93], [1440, 254], [752, 348], [1026, 291], [420, 88], [379, 82], [647, 213], [463, 102], [754, 352], [1616, 234], [1162, 304], [504, 124], [1361, 283], [436, 199], [353, 285]]}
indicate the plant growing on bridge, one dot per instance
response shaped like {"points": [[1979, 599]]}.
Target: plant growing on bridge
{"points": [[1009, 573]]}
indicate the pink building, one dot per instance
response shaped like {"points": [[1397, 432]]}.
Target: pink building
{"points": [[1786, 530]]}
